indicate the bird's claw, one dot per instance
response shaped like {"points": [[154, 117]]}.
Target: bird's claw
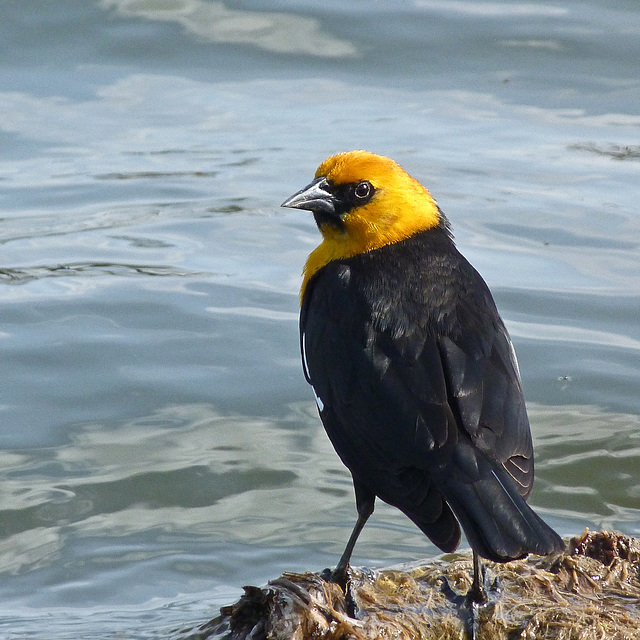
{"points": [[473, 602], [337, 576]]}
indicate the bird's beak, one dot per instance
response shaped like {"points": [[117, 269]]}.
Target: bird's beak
{"points": [[316, 197]]}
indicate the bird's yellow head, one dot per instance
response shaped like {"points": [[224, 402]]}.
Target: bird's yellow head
{"points": [[362, 201]]}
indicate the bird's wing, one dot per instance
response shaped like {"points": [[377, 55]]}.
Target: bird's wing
{"points": [[486, 396], [385, 434], [391, 406]]}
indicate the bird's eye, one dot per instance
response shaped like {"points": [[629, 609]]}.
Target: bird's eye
{"points": [[363, 190]]}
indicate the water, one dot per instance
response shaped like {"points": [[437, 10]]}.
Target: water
{"points": [[159, 446]]}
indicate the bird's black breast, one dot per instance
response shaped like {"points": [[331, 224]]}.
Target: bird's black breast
{"points": [[412, 366]]}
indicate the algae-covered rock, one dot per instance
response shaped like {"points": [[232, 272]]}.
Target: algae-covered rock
{"points": [[591, 592]]}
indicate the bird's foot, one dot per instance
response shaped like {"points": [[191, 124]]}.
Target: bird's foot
{"points": [[478, 598], [480, 589], [339, 576], [485, 594]]}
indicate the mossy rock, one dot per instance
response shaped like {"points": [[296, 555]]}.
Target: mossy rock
{"points": [[590, 592]]}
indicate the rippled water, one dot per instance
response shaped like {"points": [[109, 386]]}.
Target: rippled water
{"points": [[158, 445]]}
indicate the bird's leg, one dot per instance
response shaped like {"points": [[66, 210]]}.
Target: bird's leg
{"points": [[365, 502], [477, 597], [477, 594], [475, 600]]}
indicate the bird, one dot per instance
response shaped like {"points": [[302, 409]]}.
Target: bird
{"points": [[414, 373]]}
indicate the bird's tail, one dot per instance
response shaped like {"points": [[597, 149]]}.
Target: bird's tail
{"points": [[498, 523]]}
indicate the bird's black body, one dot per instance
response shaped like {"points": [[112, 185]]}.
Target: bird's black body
{"points": [[420, 394]]}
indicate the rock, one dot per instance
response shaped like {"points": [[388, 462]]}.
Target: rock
{"points": [[591, 592]]}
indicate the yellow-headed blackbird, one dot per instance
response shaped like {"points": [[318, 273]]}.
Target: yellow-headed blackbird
{"points": [[414, 373]]}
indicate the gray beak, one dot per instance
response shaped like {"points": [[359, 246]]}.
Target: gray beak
{"points": [[316, 197]]}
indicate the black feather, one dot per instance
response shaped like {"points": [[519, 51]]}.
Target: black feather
{"points": [[420, 393]]}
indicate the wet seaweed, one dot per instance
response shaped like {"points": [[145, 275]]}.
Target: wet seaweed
{"points": [[590, 592]]}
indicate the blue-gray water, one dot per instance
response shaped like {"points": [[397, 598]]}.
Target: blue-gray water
{"points": [[159, 447]]}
